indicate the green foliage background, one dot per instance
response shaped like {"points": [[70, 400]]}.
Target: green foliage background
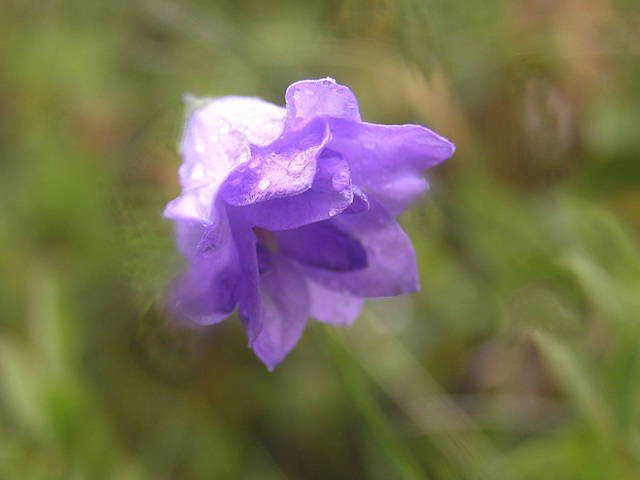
{"points": [[520, 357]]}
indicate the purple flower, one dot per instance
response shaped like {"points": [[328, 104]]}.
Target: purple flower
{"points": [[287, 213]]}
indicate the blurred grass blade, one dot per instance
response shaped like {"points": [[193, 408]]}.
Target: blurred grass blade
{"points": [[373, 415], [572, 375], [575, 375], [425, 403]]}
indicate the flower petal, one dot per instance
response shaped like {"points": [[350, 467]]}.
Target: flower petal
{"points": [[210, 149], [391, 262], [390, 150], [285, 167], [389, 158], [191, 216], [333, 307], [330, 194], [259, 122], [209, 290], [360, 201], [285, 303], [324, 246], [397, 195], [216, 139], [249, 306], [309, 99]]}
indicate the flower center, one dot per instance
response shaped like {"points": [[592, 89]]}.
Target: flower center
{"points": [[267, 239]]}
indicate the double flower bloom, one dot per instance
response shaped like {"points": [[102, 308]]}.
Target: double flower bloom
{"points": [[287, 213]]}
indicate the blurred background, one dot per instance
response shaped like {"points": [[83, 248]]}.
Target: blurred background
{"points": [[519, 358]]}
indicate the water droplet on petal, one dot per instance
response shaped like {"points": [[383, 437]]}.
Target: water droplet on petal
{"points": [[264, 183]]}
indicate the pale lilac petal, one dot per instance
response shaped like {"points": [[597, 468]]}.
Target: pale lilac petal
{"points": [[192, 211], [330, 194], [284, 168], [188, 236], [333, 307], [194, 204], [216, 139], [211, 285], [259, 122], [309, 99], [249, 305], [210, 149], [324, 246], [285, 304], [397, 195], [392, 268]]}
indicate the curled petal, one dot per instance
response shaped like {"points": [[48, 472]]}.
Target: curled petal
{"points": [[331, 193], [285, 304], [284, 168], [309, 99], [360, 201], [216, 139]]}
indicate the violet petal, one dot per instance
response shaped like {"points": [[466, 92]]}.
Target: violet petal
{"points": [[309, 99], [249, 305], [330, 194], [334, 307], [285, 167], [381, 157], [215, 141], [391, 269], [360, 201], [285, 304], [210, 287], [398, 194], [192, 211], [324, 246]]}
